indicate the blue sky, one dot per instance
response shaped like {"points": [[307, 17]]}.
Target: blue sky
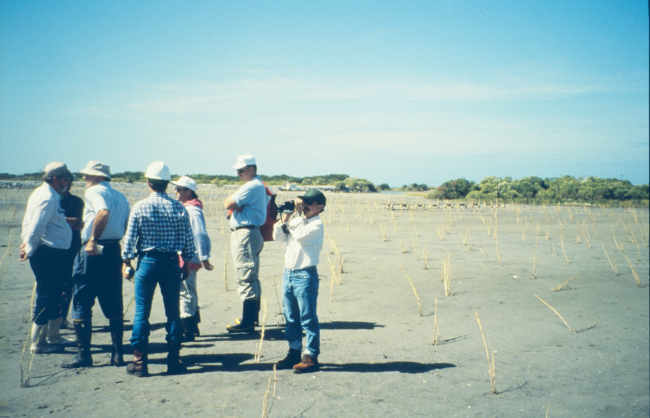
{"points": [[396, 92]]}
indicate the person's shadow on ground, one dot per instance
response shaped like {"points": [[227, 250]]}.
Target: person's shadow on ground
{"points": [[236, 362]]}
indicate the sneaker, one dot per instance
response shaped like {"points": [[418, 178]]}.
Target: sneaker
{"points": [[307, 365]]}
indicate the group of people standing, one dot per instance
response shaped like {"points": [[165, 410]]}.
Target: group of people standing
{"points": [[84, 259]]}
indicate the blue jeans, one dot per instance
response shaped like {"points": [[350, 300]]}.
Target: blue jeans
{"points": [[299, 300], [156, 268]]}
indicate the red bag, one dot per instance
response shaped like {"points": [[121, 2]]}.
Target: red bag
{"points": [[271, 214]]}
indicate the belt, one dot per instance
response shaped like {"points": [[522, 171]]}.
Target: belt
{"points": [[243, 227]]}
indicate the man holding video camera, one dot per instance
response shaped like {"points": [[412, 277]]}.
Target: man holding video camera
{"points": [[303, 231]]}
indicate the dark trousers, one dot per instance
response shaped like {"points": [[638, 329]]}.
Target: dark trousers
{"points": [[48, 265], [98, 277]]}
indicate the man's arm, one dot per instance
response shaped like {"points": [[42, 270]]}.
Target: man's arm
{"points": [[75, 223], [229, 204], [41, 215], [99, 225]]}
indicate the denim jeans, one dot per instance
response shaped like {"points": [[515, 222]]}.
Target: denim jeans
{"points": [[299, 300], [156, 268]]}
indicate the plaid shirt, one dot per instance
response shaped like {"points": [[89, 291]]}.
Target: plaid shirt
{"points": [[159, 223]]}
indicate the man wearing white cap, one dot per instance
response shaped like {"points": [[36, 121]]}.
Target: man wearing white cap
{"points": [[190, 315], [159, 228], [247, 209], [46, 235], [98, 265]]}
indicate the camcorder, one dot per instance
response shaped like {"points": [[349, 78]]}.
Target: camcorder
{"points": [[287, 207]]}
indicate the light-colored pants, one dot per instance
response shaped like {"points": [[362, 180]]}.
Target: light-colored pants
{"points": [[246, 246], [189, 295]]}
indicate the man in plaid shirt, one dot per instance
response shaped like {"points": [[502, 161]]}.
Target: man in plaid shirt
{"points": [[158, 230]]}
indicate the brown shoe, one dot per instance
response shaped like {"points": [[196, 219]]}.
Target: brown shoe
{"points": [[140, 366], [292, 358], [307, 365]]}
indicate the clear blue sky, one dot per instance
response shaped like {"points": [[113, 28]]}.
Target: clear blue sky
{"points": [[396, 92]]}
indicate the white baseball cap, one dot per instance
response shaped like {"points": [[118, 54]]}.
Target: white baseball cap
{"points": [[186, 182], [243, 161], [96, 168], [158, 171]]}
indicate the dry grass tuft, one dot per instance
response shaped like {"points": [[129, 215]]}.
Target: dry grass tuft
{"points": [[636, 276], [446, 274], [490, 359], [258, 352], [560, 287], [563, 250], [565, 323], [436, 325], [266, 406], [612, 261], [415, 292]]}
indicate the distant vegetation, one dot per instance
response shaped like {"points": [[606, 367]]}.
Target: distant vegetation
{"points": [[525, 190], [340, 181], [538, 190]]}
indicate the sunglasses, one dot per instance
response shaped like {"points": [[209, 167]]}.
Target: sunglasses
{"points": [[181, 189], [241, 170]]}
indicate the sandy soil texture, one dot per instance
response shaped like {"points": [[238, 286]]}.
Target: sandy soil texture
{"points": [[381, 293]]}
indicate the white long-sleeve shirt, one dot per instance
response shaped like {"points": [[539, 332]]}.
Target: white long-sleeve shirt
{"points": [[201, 238], [44, 222], [304, 241]]}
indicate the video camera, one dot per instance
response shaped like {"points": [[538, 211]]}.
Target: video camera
{"points": [[287, 207]]}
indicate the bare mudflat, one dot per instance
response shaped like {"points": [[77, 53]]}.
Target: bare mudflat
{"points": [[508, 266]]}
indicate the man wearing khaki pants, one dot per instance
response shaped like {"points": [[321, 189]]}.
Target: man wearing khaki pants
{"points": [[248, 213]]}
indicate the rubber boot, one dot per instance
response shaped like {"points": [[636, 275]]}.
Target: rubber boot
{"points": [[188, 329], [53, 335], [174, 363], [140, 365], [197, 321], [83, 332], [117, 335], [39, 344], [250, 311]]}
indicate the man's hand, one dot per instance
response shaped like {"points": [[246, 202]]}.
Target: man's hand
{"points": [[91, 248], [125, 273], [207, 265], [299, 205], [22, 255], [286, 217], [186, 270]]}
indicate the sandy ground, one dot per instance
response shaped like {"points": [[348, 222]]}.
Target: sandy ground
{"points": [[377, 353]]}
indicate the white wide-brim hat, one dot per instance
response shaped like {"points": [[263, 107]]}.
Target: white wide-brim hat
{"points": [[243, 161], [158, 171], [186, 182], [96, 168]]}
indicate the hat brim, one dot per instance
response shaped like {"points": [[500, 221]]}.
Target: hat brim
{"points": [[187, 186], [239, 166], [91, 172]]}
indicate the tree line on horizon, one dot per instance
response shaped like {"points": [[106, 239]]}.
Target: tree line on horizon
{"points": [[537, 190], [525, 190]]}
